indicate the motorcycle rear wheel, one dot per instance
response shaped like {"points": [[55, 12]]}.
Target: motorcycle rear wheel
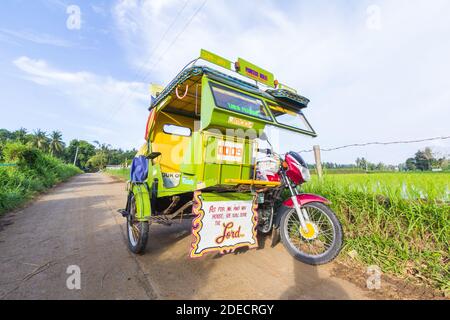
{"points": [[137, 231], [325, 240]]}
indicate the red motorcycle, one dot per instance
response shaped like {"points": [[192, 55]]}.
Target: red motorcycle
{"points": [[309, 229]]}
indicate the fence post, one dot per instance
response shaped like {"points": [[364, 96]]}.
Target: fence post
{"points": [[318, 161]]}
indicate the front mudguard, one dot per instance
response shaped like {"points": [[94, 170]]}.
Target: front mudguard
{"points": [[305, 198], [141, 194], [302, 199]]}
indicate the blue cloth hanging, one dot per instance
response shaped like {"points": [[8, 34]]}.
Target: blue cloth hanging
{"points": [[139, 169]]}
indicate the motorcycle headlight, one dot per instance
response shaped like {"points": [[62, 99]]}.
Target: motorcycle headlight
{"points": [[305, 173]]}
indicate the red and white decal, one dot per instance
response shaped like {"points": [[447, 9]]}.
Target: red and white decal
{"points": [[229, 151], [295, 169]]}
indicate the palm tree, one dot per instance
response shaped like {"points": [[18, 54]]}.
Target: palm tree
{"points": [[40, 139], [21, 135], [56, 143], [104, 149]]}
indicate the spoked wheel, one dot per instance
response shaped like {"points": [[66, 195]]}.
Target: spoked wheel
{"points": [[137, 231], [319, 244]]}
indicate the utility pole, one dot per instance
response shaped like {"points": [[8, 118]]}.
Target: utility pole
{"points": [[318, 161], [76, 155]]}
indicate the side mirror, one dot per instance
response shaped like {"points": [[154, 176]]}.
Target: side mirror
{"points": [[263, 136], [153, 155]]}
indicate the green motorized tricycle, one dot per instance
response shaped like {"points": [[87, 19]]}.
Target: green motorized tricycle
{"points": [[202, 161]]}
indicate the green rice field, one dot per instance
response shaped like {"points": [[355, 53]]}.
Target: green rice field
{"points": [[398, 221]]}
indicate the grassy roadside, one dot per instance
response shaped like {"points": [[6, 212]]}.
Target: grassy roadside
{"points": [[34, 172], [397, 221], [123, 174]]}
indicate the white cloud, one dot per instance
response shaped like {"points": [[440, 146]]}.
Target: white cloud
{"points": [[99, 9], [365, 84], [41, 73], [41, 38], [115, 111]]}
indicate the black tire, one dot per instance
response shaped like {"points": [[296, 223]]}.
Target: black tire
{"points": [[137, 240], [330, 253]]}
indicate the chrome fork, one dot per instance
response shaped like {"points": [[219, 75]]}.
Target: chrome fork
{"points": [[302, 214]]}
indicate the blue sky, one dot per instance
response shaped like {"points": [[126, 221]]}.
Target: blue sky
{"points": [[374, 70]]}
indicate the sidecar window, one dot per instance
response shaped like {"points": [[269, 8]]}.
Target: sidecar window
{"points": [[290, 118], [177, 130]]}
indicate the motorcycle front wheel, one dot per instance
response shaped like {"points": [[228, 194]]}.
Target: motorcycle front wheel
{"points": [[321, 243]]}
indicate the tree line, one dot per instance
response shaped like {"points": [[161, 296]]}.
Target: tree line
{"points": [[94, 156], [423, 160], [89, 157]]}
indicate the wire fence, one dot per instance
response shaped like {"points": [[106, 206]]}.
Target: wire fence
{"points": [[378, 143], [319, 167]]}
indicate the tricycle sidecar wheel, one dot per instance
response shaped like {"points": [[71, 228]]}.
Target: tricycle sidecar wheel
{"points": [[321, 244], [137, 231]]}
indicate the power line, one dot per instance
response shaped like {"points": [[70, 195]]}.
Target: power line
{"points": [[155, 48], [178, 35], [121, 104], [140, 72], [380, 143]]}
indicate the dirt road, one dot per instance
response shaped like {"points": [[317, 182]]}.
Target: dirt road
{"points": [[76, 223]]}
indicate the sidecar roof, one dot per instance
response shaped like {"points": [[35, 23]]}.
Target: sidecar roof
{"points": [[193, 75], [189, 82]]}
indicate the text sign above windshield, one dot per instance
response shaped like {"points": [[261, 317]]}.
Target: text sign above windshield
{"points": [[235, 101]]}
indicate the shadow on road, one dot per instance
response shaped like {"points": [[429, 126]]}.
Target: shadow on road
{"points": [[245, 274], [309, 285]]}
